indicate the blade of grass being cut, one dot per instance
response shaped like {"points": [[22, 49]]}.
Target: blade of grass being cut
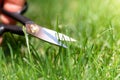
{"points": [[27, 42]]}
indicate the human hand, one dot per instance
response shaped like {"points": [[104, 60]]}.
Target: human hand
{"points": [[11, 6]]}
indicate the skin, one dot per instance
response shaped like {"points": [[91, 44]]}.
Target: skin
{"points": [[11, 6]]}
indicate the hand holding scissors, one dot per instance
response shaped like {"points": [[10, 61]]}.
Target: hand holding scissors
{"points": [[12, 6], [33, 29]]}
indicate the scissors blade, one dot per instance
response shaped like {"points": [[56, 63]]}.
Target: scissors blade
{"points": [[48, 35], [59, 36]]}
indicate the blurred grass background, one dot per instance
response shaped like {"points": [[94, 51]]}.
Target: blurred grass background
{"points": [[95, 24]]}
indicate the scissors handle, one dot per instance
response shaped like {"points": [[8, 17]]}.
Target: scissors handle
{"points": [[11, 28], [17, 17]]}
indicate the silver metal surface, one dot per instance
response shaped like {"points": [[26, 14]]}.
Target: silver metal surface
{"points": [[47, 34]]}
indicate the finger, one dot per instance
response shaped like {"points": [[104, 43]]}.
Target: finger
{"points": [[7, 20]]}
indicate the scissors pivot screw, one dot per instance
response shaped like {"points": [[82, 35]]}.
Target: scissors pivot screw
{"points": [[33, 28]]}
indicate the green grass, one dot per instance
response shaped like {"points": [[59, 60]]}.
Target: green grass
{"points": [[95, 24]]}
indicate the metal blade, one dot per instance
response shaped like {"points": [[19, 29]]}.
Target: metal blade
{"points": [[47, 34], [59, 36]]}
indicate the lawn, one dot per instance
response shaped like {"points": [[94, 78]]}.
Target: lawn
{"points": [[95, 24]]}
